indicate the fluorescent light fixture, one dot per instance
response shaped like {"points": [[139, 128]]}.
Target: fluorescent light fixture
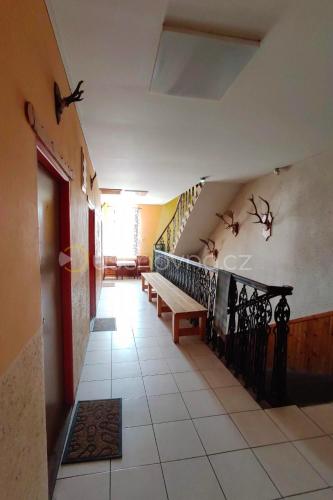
{"points": [[195, 64], [110, 191], [128, 192], [135, 192]]}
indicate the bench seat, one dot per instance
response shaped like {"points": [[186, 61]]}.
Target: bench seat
{"points": [[171, 299]]}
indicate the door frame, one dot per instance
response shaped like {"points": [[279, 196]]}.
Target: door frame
{"points": [[92, 268], [47, 160]]}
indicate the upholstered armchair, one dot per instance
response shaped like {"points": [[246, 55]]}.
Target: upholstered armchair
{"points": [[110, 267], [142, 265]]}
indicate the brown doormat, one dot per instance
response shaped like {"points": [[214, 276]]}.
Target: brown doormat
{"points": [[108, 283], [105, 324], [96, 432]]}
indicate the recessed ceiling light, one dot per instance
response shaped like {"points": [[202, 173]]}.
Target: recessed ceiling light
{"points": [[195, 64]]}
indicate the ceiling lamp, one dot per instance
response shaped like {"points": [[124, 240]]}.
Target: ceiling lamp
{"points": [[196, 64]]}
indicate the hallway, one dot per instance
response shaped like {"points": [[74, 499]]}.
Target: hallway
{"points": [[190, 431]]}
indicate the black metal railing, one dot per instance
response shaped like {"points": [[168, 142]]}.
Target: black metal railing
{"points": [[240, 314], [193, 278], [169, 237]]}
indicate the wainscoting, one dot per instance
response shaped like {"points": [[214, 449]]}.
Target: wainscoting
{"points": [[310, 344], [310, 359]]}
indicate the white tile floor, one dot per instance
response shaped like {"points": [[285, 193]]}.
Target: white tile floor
{"points": [[190, 431]]}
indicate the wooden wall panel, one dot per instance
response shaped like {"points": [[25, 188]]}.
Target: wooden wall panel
{"points": [[310, 344]]}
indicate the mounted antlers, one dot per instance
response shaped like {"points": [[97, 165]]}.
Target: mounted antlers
{"points": [[92, 179], [265, 218], [210, 244], [64, 102], [229, 225]]}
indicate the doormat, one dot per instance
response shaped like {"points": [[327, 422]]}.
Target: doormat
{"points": [[96, 432], [108, 283], [105, 325]]}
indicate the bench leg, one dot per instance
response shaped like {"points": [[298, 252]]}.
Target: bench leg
{"points": [[150, 292], [203, 321], [159, 306], [162, 307], [175, 328], [143, 284]]}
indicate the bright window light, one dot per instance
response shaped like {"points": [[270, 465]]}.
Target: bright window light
{"points": [[121, 221]]}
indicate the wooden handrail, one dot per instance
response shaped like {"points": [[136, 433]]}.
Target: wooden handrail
{"points": [[272, 290]]}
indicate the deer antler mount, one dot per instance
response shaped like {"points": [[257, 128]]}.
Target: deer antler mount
{"points": [[229, 224], [63, 102], [265, 218], [212, 250], [92, 180]]}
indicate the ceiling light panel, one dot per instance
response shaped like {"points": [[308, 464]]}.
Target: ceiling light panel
{"points": [[191, 64]]}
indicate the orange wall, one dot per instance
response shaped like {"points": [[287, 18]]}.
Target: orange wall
{"points": [[30, 62], [149, 219]]}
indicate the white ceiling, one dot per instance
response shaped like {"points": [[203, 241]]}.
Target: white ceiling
{"points": [[278, 111]]}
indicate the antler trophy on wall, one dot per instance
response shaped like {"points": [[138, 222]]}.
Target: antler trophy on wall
{"points": [[63, 102], [92, 180], [231, 224], [210, 244], [264, 218]]}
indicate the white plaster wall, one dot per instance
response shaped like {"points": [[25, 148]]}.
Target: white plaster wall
{"points": [[300, 251], [214, 197]]}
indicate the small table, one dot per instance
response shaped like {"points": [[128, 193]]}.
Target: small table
{"points": [[126, 268]]}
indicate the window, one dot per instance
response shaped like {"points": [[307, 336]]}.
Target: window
{"points": [[120, 230]]}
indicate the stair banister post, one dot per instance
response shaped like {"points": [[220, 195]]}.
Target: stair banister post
{"points": [[280, 331]]}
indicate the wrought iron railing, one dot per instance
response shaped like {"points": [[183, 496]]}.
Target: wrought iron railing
{"points": [[193, 278], [240, 314], [168, 239]]}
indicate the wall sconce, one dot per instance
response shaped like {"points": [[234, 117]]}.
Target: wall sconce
{"points": [[279, 170], [203, 179], [63, 102]]}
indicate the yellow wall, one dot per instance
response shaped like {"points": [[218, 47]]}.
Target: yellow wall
{"points": [[149, 219], [30, 63], [167, 213]]}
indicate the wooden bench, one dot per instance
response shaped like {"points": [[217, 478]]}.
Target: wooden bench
{"points": [[171, 299]]}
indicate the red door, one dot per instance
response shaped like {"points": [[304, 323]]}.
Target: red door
{"points": [[56, 409], [56, 303]]}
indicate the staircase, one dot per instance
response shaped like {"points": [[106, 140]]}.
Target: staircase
{"points": [[195, 218], [169, 238]]}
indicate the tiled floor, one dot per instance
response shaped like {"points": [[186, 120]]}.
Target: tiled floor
{"points": [[190, 431]]}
